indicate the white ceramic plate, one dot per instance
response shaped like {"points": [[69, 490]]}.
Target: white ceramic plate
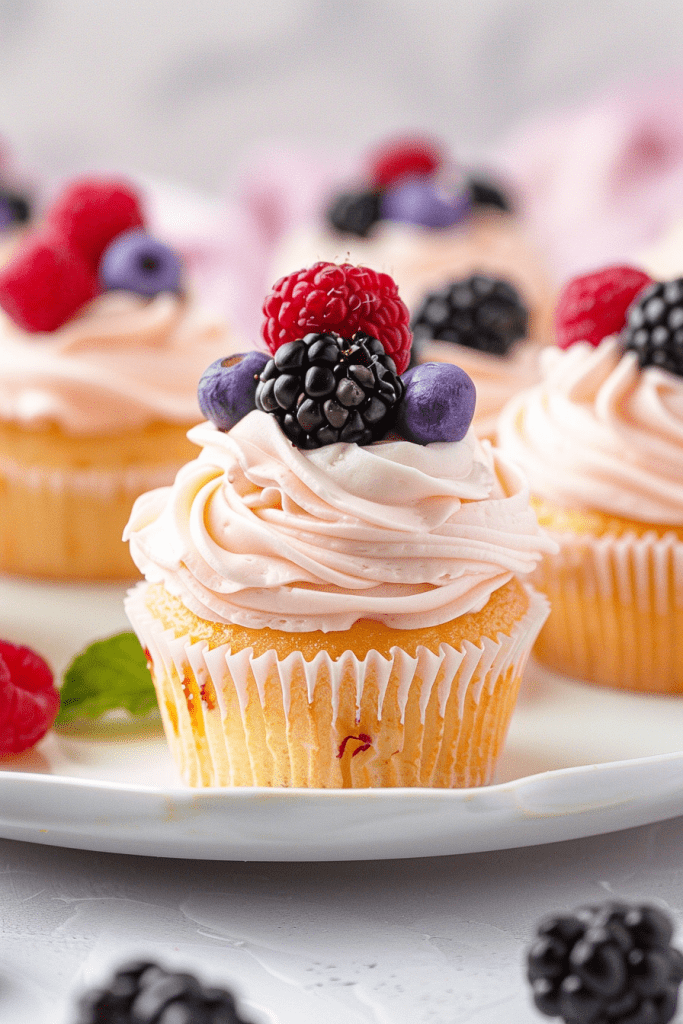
{"points": [[579, 761]]}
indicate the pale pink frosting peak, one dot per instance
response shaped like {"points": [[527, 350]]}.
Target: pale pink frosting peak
{"points": [[123, 362], [259, 533], [600, 433]]}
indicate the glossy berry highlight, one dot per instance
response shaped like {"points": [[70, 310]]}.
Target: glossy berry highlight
{"points": [[654, 327], [340, 298], [136, 262], [593, 306], [324, 389], [227, 389], [28, 699], [608, 964]]}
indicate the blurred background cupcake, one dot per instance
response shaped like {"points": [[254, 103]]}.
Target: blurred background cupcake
{"points": [[101, 348]]}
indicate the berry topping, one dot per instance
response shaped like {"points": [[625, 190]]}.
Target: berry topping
{"points": [[424, 201], [355, 213], [142, 992], [341, 298], [28, 698], [480, 312], [324, 388], [406, 158], [593, 306], [654, 326], [14, 209], [438, 405], [90, 212], [611, 964], [139, 263], [45, 283], [484, 192], [227, 389]]}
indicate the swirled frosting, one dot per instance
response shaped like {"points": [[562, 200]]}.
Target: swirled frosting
{"points": [[123, 362], [256, 532], [600, 433]]}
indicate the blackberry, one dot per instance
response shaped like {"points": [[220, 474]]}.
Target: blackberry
{"points": [[355, 213], [324, 388], [14, 208], [484, 192], [654, 326], [479, 311], [145, 993], [611, 964]]}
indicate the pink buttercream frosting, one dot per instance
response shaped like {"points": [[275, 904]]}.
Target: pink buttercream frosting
{"points": [[123, 362], [256, 532], [600, 433]]}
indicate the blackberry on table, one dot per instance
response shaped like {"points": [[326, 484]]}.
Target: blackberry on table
{"points": [[481, 312], [654, 326], [355, 213], [610, 964], [324, 388], [142, 992]]}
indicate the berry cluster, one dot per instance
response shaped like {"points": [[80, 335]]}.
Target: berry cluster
{"points": [[93, 239], [28, 699], [145, 993], [612, 964], [654, 326], [406, 182], [324, 388], [480, 312]]}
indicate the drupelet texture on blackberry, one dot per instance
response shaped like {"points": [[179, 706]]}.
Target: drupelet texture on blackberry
{"points": [[142, 992], [324, 388], [481, 312], [654, 326], [355, 213], [609, 964]]}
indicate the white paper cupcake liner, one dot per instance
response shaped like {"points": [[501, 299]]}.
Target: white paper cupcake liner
{"points": [[431, 720], [617, 610]]}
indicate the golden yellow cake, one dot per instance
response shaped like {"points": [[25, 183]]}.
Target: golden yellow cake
{"points": [[601, 441]]}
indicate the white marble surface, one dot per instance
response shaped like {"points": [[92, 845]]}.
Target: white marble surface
{"points": [[433, 941]]}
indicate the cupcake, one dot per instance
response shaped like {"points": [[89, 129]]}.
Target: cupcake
{"points": [[418, 216], [101, 349], [481, 324], [334, 590], [601, 442]]}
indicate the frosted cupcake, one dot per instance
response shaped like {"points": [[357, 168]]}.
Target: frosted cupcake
{"points": [[334, 590], [101, 349], [601, 441]]}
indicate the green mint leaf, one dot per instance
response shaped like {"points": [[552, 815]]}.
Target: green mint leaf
{"points": [[108, 675]]}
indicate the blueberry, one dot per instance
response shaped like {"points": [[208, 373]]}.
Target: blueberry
{"points": [[227, 388], [438, 405], [421, 201], [136, 262]]}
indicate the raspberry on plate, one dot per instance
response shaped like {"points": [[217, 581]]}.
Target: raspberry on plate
{"points": [[28, 699], [46, 282], [90, 212], [341, 298], [593, 306]]}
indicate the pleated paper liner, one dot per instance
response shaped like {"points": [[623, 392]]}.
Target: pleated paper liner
{"points": [[437, 719], [616, 610], [64, 501]]}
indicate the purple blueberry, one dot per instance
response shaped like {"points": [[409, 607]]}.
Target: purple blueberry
{"points": [[438, 404], [227, 389], [136, 262], [427, 202]]}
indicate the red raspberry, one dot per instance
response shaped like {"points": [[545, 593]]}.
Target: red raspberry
{"points": [[341, 298], [28, 698], [593, 306], [401, 159], [45, 282], [92, 211]]}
